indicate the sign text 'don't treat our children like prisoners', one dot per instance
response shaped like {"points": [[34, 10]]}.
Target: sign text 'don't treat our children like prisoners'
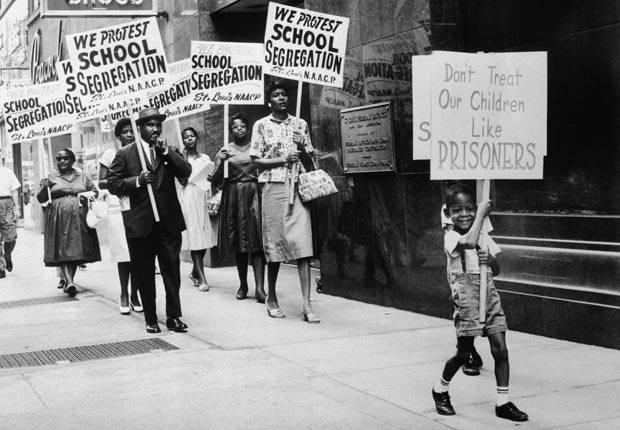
{"points": [[304, 45], [489, 115]]}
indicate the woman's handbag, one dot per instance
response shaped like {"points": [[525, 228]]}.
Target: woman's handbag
{"points": [[213, 204], [315, 184], [97, 211]]}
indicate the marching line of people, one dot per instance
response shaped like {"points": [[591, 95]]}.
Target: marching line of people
{"points": [[256, 221]]}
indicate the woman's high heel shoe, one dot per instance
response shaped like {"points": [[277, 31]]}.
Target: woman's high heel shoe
{"points": [[136, 308], [124, 310], [311, 318], [196, 281]]}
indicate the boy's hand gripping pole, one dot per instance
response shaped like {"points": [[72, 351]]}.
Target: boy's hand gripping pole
{"points": [[149, 188], [483, 185]]}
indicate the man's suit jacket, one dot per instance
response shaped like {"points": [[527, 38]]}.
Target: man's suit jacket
{"points": [[122, 181]]}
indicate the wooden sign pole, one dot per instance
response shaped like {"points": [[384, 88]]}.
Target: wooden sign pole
{"points": [[483, 188], [295, 166], [226, 113], [138, 142]]}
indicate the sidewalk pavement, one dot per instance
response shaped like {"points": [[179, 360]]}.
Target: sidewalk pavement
{"points": [[362, 367]]}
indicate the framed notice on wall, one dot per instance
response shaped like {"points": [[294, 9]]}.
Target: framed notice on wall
{"points": [[99, 7], [367, 138]]}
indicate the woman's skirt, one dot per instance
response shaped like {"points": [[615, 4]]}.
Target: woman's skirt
{"points": [[68, 239], [199, 233], [287, 229], [119, 251], [240, 220]]}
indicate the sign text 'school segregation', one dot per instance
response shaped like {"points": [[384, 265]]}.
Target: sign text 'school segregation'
{"points": [[227, 72], [305, 45], [112, 62], [174, 101], [489, 115], [38, 111]]}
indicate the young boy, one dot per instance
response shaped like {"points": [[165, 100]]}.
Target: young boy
{"points": [[464, 260], [472, 366]]}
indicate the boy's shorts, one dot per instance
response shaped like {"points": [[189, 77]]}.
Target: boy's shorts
{"points": [[466, 297]]}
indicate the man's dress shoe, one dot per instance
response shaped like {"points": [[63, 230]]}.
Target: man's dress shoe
{"points": [[153, 328], [176, 324]]}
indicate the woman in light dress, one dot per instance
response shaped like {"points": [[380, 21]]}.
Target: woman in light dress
{"points": [[194, 193], [119, 252]]}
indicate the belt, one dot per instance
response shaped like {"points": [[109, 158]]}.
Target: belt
{"points": [[5, 197]]}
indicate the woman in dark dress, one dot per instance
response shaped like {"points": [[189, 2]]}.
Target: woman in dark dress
{"points": [[240, 218], [69, 241]]}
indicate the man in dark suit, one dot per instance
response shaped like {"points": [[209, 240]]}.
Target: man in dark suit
{"points": [[146, 237]]}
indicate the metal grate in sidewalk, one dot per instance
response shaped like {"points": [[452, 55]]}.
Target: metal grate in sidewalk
{"points": [[84, 353], [36, 301]]}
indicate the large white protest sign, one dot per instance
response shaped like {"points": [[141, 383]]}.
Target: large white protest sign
{"points": [[421, 97], [112, 62], [173, 100], [227, 72], [38, 111], [489, 115], [304, 45]]}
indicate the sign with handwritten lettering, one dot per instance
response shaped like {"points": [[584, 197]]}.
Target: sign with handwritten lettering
{"points": [[304, 45], [227, 72], [489, 115], [117, 62]]}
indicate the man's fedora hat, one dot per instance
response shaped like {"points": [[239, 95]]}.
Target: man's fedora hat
{"points": [[149, 113]]}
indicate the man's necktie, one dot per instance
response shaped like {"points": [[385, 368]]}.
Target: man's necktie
{"points": [[152, 150]]}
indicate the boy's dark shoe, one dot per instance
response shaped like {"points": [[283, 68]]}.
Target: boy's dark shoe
{"points": [[510, 412], [476, 360], [2, 274], [470, 368], [442, 403]]}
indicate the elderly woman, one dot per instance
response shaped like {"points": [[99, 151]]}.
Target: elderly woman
{"points": [[68, 239], [240, 215], [119, 251]]}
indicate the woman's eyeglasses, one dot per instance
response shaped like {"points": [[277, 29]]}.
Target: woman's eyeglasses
{"points": [[61, 157]]}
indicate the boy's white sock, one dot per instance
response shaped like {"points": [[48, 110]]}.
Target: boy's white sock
{"points": [[502, 396], [441, 386]]}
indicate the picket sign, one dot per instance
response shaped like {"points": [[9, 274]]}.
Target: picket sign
{"points": [[486, 120], [227, 73], [149, 187]]}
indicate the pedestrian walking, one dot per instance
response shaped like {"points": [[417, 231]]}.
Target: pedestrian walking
{"points": [[194, 194], [119, 250], [146, 237], [240, 213], [278, 141], [464, 260], [9, 213], [472, 366], [68, 240]]}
